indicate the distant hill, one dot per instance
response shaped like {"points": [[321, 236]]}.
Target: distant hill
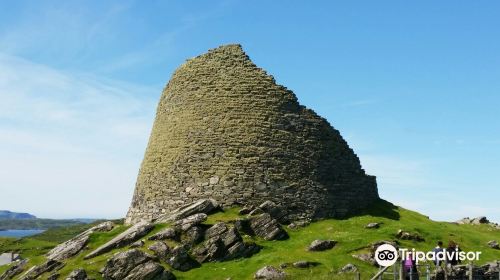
{"points": [[36, 223], [6, 214]]}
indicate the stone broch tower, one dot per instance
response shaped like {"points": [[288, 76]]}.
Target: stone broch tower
{"points": [[225, 130]]}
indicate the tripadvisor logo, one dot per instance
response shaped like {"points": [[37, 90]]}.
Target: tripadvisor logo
{"points": [[387, 255]]}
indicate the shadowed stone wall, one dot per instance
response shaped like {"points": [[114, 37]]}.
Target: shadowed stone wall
{"points": [[225, 130]]}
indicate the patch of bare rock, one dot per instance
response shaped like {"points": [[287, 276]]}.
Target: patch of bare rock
{"points": [[270, 273], [73, 246], [205, 206], [127, 237], [321, 245], [405, 235], [77, 274], [482, 220], [134, 264]]}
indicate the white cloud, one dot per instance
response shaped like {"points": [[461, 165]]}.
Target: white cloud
{"points": [[71, 142]]}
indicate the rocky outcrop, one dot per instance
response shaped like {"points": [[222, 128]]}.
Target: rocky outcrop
{"points": [[205, 206], [134, 265], [137, 244], [15, 269], [223, 243], [35, 271], [405, 235], [77, 274], [482, 220], [160, 249], [493, 244], [179, 259], [266, 227], [299, 224], [304, 264], [224, 129], [188, 222], [168, 233], [349, 268], [149, 271], [270, 273], [130, 235], [73, 246], [372, 225], [321, 245]]}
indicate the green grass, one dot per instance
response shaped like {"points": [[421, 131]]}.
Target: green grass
{"points": [[35, 223], [350, 233]]}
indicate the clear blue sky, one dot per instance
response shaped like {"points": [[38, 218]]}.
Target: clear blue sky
{"points": [[414, 87]]}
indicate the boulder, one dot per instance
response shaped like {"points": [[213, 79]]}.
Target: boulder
{"points": [[121, 264], [464, 221], [77, 274], [205, 206], [168, 233], [270, 273], [14, 269], [37, 270], [223, 243], [179, 259], [130, 235], [276, 212], [149, 270], [303, 264], [242, 250], [321, 245], [349, 268], [211, 250], [137, 244], [193, 236], [216, 230], [266, 227], [73, 246], [493, 244], [372, 225], [405, 235], [188, 222], [299, 224], [160, 249], [480, 220]]}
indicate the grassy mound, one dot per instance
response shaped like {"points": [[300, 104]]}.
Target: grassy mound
{"points": [[351, 234]]}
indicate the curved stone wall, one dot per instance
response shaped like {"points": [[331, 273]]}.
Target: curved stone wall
{"points": [[225, 130]]}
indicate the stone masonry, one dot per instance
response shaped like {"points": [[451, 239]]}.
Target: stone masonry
{"points": [[225, 130]]}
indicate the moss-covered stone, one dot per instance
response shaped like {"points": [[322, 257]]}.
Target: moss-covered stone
{"points": [[225, 130]]}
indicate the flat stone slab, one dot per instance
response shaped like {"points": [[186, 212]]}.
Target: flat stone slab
{"points": [[71, 247], [125, 238], [188, 222], [201, 206]]}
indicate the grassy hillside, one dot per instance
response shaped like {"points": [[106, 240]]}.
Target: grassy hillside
{"points": [[351, 234]]}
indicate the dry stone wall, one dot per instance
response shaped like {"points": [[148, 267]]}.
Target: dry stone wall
{"points": [[225, 130]]}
